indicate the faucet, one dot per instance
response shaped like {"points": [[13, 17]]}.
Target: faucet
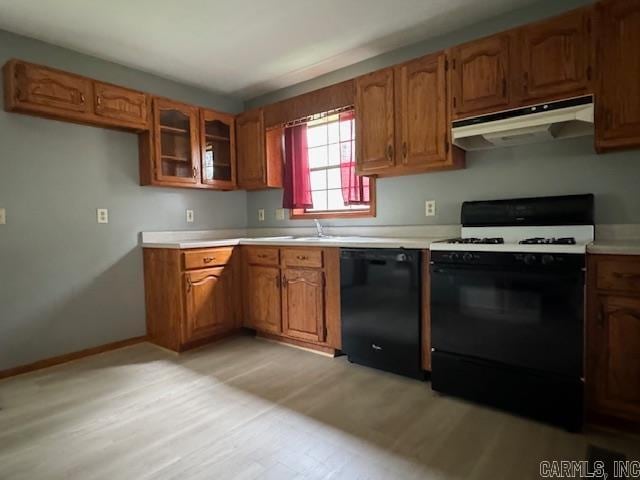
{"points": [[319, 229]]}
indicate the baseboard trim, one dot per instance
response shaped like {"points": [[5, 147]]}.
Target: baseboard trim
{"points": [[299, 344], [69, 357]]}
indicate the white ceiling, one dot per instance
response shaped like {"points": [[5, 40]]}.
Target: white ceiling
{"points": [[242, 48]]}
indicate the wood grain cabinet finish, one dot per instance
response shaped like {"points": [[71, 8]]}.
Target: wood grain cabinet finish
{"points": [[186, 308], [217, 149], [556, 58], [259, 152], [263, 298], [613, 340], [303, 304], [618, 89], [121, 104], [375, 122], [481, 75]]}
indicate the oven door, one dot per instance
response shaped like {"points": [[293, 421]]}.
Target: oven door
{"points": [[531, 318]]}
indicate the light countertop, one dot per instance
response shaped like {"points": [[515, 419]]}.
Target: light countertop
{"points": [[310, 241], [615, 247]]}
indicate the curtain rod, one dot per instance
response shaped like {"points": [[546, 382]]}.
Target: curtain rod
{"points": [[310, 118]]}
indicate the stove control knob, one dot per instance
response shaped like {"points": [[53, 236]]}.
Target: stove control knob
{"points": [[529, 259], [455, 257], [547, 259], [467, 257]]}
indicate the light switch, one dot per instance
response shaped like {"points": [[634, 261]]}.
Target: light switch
{"points": [[102, 215], [279, 213], [430, 208], [261, 214], [3, 216], [190, 216]]}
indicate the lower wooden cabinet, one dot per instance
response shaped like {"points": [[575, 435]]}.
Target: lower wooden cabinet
{"points": [[293, 294], [186, 308], [613, 340], [303, 304]]}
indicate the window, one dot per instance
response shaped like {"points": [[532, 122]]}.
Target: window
{"points": [[329, 140]]}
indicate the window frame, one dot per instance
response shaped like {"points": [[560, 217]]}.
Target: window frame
{"points": [[302, 214]]}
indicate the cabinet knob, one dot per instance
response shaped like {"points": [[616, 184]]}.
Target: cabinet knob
{"points": [[390, 153], [207, 259]]}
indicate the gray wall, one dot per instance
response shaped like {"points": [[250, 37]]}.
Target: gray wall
{"points": [[67, 283], [563, 167]]}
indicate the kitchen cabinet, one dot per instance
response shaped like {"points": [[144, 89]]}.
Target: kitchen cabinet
{"points": [[303, 304], [618, 89], [402, 120], [481, 75], [292, 295], [613, 340], [556, 58], [188, 305], [375, 124], [121, 105], [259, 152], [51, 93], [217, 149]]}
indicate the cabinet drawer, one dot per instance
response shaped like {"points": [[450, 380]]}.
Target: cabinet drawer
{"points": [[618, 275], [263, 255], [302, 257], [206, 258]]}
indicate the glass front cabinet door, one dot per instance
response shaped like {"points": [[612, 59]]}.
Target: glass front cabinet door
{"points": [[218, 152], [176, 143]]}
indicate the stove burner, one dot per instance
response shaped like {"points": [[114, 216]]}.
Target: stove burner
{"points": [[490, 241], [548, 241]]}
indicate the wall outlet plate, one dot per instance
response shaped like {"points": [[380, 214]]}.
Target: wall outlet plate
{"points": [[430, 208], [102, 215], [190, 216], [3, 216], [279, 213], [261, 214]]}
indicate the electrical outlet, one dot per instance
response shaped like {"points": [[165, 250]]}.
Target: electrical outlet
{"points": [[261, 214], [3, 216], [430, 208], [279, 213], [190, 216], [102, 215]]}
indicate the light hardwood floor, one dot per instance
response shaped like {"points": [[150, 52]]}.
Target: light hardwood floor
{"points": [[246, 408]]}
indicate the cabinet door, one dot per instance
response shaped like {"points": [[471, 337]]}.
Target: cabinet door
{"points": [[303, 306], [49, 90], [218, 149], [177, 148], [252, 171], [556, 57], [614, 335], [209, 305], [421, 94], [480, 76], [263, 298], [375, 125], [121, 104], [618, 92]]}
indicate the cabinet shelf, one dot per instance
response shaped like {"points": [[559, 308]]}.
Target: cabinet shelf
{"points": [[217, 137], [166, 128], [173, 158]]}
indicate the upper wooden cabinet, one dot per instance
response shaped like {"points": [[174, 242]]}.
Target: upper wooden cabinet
{"points": [[481, 75], [618, 87], [259, 152], [375, 123], [556, 58], [218, 149], [52, 93], [402, 120], [121, 104], [188, 147]]}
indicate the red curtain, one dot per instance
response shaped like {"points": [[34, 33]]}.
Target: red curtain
{"points": [[355, 189], [297, 178]]}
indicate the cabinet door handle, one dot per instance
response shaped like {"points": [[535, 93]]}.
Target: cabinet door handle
{"points": [[404, 151], [82, 98], [278, 280], [302, 257], [390, 153], [207, 259], [99, 99], [189, 283], [195, 172], [284, 281]]}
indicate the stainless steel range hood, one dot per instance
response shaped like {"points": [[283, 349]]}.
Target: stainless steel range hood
{"points": [[534, 124]]}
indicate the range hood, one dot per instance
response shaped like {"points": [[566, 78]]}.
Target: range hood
{"points": [[534, 124]]}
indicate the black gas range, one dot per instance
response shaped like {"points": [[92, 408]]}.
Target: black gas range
{"points": [[507, 306]]}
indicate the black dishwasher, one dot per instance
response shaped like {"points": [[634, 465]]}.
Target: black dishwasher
{"points": [[380, 307]]}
